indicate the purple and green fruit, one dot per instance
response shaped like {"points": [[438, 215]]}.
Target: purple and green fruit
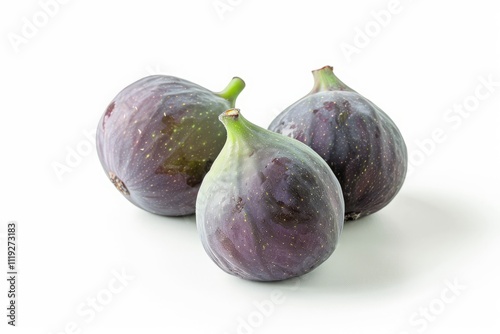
{"points": [[270, 205], [270, 208], [159, 137], [360, 143]]}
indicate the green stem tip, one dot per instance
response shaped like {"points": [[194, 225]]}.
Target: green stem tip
{"points": [[236, 125], [230, 116], [232, 90], [325, 80]]}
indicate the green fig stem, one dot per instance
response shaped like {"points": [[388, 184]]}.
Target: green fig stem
{"points": [[326, 80], [236, 125], [232, 90]]}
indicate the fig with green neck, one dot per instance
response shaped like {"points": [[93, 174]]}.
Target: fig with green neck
{"points": [[270, 208], [360, 143], [159, 137]]}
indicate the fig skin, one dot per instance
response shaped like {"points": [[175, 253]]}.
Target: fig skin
{"points": [[159, 137], [270, 208], [361, 144]]}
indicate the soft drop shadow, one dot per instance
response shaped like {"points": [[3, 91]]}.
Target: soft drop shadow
{"points": [[415, 235]]}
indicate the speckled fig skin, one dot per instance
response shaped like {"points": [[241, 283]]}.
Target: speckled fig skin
{"points": [[270, 208], [159, 137], [357, 139]]}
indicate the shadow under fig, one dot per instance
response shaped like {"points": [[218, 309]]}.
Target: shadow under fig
{"points": [[413, 236]]}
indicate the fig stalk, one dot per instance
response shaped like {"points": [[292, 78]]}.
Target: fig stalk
{"points": [[232, 90], [326, 80]]}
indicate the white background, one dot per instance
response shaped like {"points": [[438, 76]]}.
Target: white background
{"points": [[76, 231]]}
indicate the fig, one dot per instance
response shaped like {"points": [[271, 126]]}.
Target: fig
{"points": [[361, 144], [159, 137], [269, 208]]}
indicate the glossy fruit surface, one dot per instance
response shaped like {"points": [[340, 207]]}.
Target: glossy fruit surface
{"points": [[270, 208], [360, 143], [159, 137]]}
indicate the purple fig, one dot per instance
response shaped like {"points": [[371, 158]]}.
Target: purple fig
{"points": [[158, 138], [270, 208], [360, 143]]}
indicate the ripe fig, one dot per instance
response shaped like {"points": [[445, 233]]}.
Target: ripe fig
{"points": [[360, 143], [158, 138], [270, 208]]}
